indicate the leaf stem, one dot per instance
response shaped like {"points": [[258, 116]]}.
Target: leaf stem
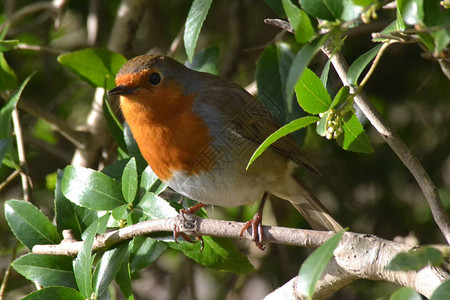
{"points": [[374, 64]]}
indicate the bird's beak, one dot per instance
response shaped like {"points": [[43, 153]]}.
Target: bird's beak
{"points": [[121, 90]]}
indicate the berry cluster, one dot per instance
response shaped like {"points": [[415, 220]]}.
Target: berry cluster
{"points": [[335, 119]]}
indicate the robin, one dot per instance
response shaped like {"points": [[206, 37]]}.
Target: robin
{"points": [[198, 131]]}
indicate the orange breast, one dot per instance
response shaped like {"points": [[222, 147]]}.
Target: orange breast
{"points": [[169, 134]]}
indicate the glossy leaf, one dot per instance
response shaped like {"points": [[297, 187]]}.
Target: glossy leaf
{"points": [[311, 94], [65, 212], [360, 64], [156, 207], [8, 78], [29, 225], [405, 293], [321, 127], [320, 8], [315, 264], [144, 251], [351, 10], [120, 212], [340, 97], [218, 254], [83, 263], [95, 66], [207, 61], [354, 138], [55, 293], [194, 22], [411, 11], [300, 21], [285, 130], [114, 125], [300, 62], [271, 69], [151, 183], [416, 259], [441, 292], [8, 45], [108, 267], [92, 189], [46, 270], [130, 181], [123, 279], [325, 73]]}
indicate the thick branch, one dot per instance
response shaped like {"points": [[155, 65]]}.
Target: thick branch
{"points": [[403, 152], [368, 259]]}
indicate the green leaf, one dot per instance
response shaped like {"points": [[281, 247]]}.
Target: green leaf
{"points": [[270, 73], [29, 225], [8, 78], [114, 125], [311, 94], [92, 189], [351, 10], [300, 21], [315, 264], [321, 127], [130, 181], [285, 130], [66, 217], [441, 40], [151, 183], [108, 267], [83, 263], [360, 63], [4, 146], [354, 138], [144, 251], [7, 109], [123, 279], [411, 11], [415, 260], [194, 22], [405, 293], [325, 72], [335, 7], [319, 8], [8, 45], [218, 254], [441, 292], [207, 61], [340, 97], [277, 7], [156, 207], [46, 270], [120, 212], [55, 293], [300, 62], [95, 66], [133, 149]]}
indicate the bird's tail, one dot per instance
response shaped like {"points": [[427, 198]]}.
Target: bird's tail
{"points": [[313, 211]]}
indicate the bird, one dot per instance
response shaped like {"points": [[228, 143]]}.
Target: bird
{"points": [[198, 131]]}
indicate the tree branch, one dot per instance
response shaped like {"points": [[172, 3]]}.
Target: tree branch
{"points": [[403, 152], [370, 254]]}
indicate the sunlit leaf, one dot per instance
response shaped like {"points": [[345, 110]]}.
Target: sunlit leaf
{"points": [[194, 22]]}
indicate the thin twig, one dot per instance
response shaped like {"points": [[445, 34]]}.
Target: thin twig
{"points": [[23, 46], [176, 42], [10, 178], [8, 271], [27, 184], [374, 64]]}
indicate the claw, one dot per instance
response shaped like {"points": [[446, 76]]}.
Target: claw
{"points": [[187, 238], [256, 224]]}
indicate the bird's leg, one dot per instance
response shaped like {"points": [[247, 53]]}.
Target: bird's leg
{"points": [[176, 229], [256, 224]]}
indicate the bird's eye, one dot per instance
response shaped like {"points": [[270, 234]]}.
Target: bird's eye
{"points": [[154, 78]]}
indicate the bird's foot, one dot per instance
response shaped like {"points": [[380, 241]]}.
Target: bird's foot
{"points": [[257, 230]]}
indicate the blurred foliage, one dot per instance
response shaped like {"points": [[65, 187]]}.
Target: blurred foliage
{"points": [[371, 193]]}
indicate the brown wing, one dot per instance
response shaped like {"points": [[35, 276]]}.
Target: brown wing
{"points": [[250, 119]]}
